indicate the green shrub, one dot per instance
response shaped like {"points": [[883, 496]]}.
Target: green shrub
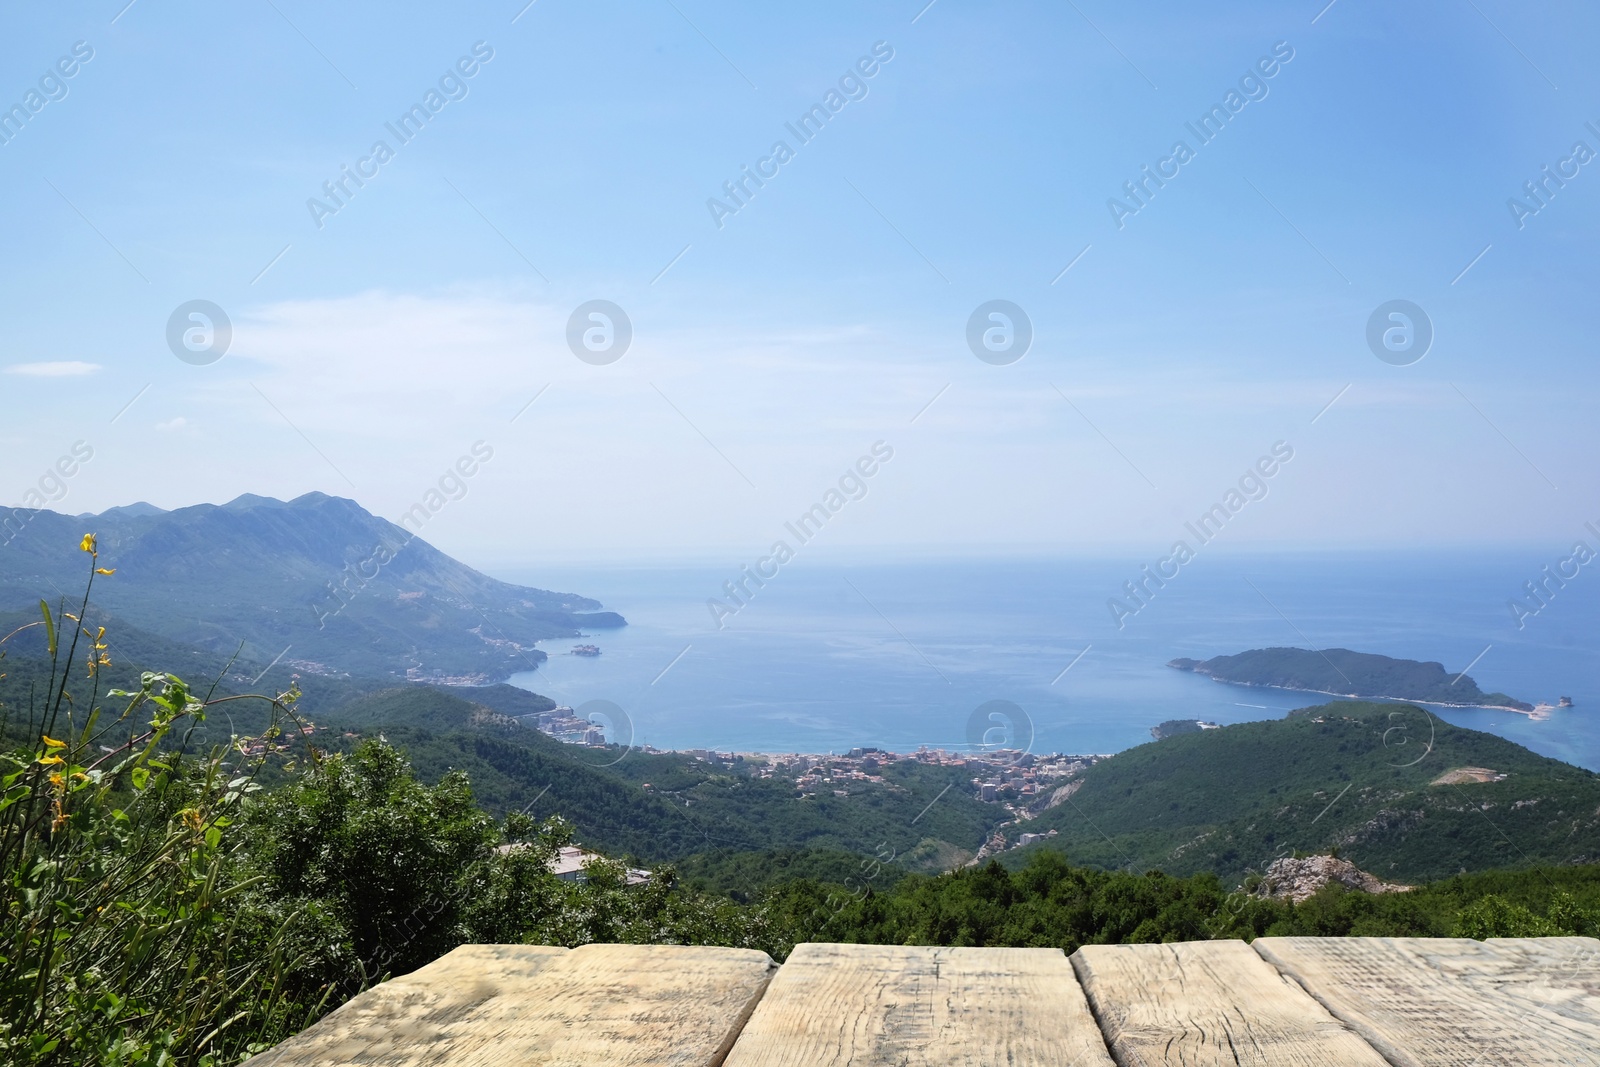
{"points": [[1494, 916], [123, 939]]}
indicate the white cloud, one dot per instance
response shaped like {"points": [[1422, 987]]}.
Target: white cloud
{"points": [[706, 437], [67, 368]]}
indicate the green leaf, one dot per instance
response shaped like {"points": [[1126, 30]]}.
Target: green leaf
{"points": [[49, 625], [140, 776]]}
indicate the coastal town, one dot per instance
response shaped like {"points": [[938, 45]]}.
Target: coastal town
{"points": [[1024, 783], [564, 724]]}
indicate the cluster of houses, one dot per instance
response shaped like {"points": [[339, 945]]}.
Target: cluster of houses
{"points": [[1001, 776], [564, 724]]}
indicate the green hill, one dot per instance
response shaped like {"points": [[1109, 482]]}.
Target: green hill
{"points": [[1359, 777], [1340, 672], [425, 707], [663, 807], [317, 580]]}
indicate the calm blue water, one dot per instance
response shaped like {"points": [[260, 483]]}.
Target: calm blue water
{"points": [[827, 657]]}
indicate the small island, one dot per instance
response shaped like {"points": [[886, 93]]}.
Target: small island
{"points": [[1341, 672]]}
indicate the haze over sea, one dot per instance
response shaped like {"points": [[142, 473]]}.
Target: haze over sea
{"points": [[834, 655]]}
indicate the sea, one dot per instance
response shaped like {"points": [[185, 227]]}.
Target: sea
{"points": [[901, 653]]}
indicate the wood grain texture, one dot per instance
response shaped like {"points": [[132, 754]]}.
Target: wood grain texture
{"points": [[1453, 1002], [870, 1005], [404, 1021], [1210, 1002], [515, 1006]]}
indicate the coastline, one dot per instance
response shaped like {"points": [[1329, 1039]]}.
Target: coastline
{"points": [[1538, 713]]}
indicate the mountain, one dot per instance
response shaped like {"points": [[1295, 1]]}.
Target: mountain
{"points": [[1399, 792], [1340, 672], [317, 581], [138, 509]]}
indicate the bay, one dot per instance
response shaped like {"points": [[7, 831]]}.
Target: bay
{"points": [[835, 654]]}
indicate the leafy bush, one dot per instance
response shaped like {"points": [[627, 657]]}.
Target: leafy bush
{"points": [[123, 942], [377, 857], [1495, 916], [398, 873], [1050, 903]]}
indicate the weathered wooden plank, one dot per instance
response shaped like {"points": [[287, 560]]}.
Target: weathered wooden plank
{"points": [[405, 1019], [1210, 1002], [867, 1005], [499, 1006], [1454, 1002]]}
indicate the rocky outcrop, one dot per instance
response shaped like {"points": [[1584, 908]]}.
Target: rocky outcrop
{"points": [[1064, 793], [1296, 879]]}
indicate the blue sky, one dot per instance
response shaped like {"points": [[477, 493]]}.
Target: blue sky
{"points": [[768, 354]]}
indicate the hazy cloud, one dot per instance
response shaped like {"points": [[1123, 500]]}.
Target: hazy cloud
{"points": [[66, 368]]}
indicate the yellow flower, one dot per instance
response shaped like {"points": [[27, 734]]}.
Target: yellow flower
{"points": [[51, 761], [88, 544], [105, 570], [51, 742], [57, 780], [192, 818]]}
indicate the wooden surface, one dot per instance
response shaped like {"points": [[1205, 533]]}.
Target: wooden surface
{"points": [[405, 1021], [1453, 1002], [897, 1006], [482, 1006], [1282, 1002], [1210, 1002]]}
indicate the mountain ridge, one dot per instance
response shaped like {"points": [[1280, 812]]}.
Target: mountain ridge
{"points": [[317, 578]]}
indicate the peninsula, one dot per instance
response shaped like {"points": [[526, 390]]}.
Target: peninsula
{"points": [[1341, 672]]}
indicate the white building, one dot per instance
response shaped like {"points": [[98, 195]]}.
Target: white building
{"points": [[570, 861]]}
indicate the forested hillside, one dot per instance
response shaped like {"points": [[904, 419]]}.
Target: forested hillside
{"points": [[1360, 777], [660, 807]]}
